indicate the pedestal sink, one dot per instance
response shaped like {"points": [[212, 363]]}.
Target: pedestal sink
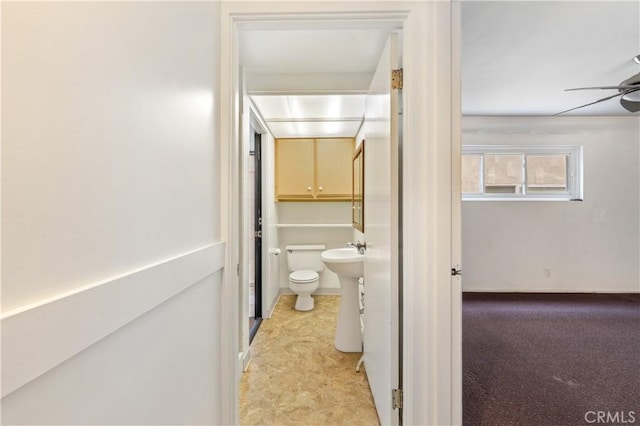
{"points": [[349, 265]]}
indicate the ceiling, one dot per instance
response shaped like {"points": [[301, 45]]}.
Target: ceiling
{"points": [[517, 58], [310, 82]]}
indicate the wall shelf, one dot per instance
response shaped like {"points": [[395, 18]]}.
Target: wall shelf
{"points": [[313, 225]]}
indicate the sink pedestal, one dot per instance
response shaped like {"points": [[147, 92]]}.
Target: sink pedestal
{"points": [[348, 263], [348, 335]]}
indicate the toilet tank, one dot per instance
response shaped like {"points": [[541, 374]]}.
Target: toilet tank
{"points": [[305, 257]]}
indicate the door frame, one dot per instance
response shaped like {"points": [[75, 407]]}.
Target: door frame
{"points": [[456, 211], [257, 227], [250, 122], [430, 372]]}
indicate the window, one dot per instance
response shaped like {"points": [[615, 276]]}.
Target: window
{"points": [[505, 172]]}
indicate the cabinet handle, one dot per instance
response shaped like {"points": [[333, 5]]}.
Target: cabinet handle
{"points": [[308, 188], [319, 188]]}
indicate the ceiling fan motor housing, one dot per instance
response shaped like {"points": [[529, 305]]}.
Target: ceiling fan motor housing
{"points": [[631, 101]]}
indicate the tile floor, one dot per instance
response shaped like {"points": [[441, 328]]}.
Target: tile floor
{"points": [[296, 375]]}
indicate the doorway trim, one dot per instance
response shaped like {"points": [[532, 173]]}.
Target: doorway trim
{"points": [[430, 372], [257, 248], [250, 122]]}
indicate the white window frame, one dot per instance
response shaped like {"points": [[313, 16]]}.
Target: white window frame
{"points": [[574, 190]]}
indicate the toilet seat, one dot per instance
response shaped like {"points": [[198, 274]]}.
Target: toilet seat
{"points": [[303, 276]]}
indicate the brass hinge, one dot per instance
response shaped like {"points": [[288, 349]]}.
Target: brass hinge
{"points": [[396, 398], [396, 79]]}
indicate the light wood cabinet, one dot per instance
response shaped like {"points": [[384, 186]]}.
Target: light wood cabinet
{"points": [[295, 175], [314, 169]]}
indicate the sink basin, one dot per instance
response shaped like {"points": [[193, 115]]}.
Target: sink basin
{"points": [[345, 262]]}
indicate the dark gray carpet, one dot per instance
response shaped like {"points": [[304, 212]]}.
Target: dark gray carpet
{"points": [[549, 359]]}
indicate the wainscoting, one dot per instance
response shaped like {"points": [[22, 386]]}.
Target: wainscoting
{"points": [[78, 349]]}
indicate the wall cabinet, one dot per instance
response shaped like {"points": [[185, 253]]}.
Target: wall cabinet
{"points": [[314, 169]]}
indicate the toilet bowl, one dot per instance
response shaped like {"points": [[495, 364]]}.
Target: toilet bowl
{"points": [[304, 264], [303, 283]]}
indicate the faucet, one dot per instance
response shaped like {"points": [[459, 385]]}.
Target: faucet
{"points": [[358, 245]]}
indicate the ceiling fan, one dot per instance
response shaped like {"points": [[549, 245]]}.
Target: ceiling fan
{"points": [[628, 91]]}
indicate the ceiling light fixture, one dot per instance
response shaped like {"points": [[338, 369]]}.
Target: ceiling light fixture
{"points": [[636, 59]]}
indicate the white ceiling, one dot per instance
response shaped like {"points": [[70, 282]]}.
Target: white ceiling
{"points": [[312, 50], [310, 82], [517, 58]]}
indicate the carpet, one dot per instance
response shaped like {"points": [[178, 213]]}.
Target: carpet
{"points": [[551, 359]]}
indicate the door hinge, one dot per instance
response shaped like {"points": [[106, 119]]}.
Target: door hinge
{"points": [[257, 234], [396, 398], [396, 79]]}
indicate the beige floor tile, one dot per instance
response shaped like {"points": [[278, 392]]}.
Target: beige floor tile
{"points": [[297, 376]]}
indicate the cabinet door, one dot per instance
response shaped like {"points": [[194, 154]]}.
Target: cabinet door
{"points": [[333, 168], [294, 169]]}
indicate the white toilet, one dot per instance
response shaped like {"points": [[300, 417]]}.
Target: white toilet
{"points": [[304, 264]]}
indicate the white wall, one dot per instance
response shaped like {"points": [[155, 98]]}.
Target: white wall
{"points": [[312, 212], [110, 185], [589, 246]]}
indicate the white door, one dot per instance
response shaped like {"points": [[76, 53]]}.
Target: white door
{"points": [[456, 221], [381, 234]]}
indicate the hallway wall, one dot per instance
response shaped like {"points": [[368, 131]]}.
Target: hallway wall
{"points": [[589, 246], [111, 253]]}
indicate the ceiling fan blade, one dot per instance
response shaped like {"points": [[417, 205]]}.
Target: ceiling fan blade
{"points": [[600, 100], [602, 87]]}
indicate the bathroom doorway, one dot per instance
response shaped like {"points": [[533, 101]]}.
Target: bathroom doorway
{"points": [[316, 97], [426, 170], [255, 257]]}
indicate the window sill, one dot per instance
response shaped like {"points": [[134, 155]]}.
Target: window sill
{"points": [[521, 199]]}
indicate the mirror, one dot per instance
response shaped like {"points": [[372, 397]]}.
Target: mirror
{"points": [[357, 199]]}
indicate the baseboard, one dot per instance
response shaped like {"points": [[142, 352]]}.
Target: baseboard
{"points": [[539, 296], [551, 291], [272, 307], [246, 360]]}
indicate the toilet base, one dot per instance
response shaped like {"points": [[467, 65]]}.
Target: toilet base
{"points": [[304, 302]]}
